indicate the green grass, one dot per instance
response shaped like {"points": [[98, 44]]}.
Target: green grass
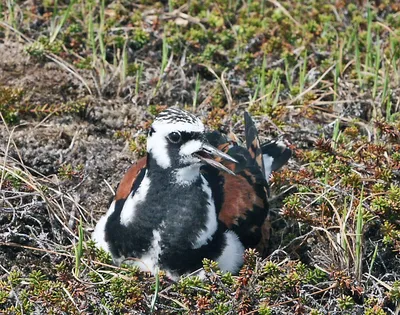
{"points": [[359, 238], [323, 74], [156, 291], [79, 249], [196, 92], [55, 25], [138, 77], [164, 62]]}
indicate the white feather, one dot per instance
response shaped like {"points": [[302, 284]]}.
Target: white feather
{"points": [[98, 234], [231, 258], [190, 147], [268, 160], [157, 147], [149, 262], [128, 211], [187, 175], [211, 224]]}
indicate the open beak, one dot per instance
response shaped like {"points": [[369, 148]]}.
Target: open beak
{"points": [[206, 153]]}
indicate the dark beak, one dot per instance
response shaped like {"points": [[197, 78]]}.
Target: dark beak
{"points": [[206, 153]]}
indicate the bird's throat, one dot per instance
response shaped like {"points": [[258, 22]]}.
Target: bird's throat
{"points": [[180, 175], [187, 175]]}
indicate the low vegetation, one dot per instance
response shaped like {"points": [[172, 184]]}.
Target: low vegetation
{"points": [[80, 82]]}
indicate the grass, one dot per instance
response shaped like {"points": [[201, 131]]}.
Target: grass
{"points": [[79, 249], [196, 92], [358, 259], [55, 26], [156, 291], [324, 75], [164, 63]]}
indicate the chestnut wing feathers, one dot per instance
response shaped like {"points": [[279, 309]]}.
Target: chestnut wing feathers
{"points": [[242, 200], [241, 203], [129, 180]]}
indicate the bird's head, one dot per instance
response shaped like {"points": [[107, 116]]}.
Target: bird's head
{"points": [[177, 139]]}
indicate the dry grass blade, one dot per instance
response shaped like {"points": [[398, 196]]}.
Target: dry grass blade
{"points": [[310, 88], [6, 151], [222, 81], [286, 12]]}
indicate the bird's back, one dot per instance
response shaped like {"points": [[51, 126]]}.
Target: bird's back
{"points": [[242, 199]]}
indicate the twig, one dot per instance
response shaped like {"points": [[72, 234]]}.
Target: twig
{"points": [[286, 12], [221, 80], [333, 286]]}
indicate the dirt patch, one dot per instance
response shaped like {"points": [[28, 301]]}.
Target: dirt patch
{"points": [[43, 82]]}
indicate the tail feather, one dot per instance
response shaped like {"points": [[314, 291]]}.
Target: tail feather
{"points": [[275, 154], [269, 156], [252, 141]]}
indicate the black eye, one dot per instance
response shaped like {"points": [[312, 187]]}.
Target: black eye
{"points": [[174, 137]]}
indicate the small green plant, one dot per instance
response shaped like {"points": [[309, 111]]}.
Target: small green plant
{"points": [[15, 277], [156, 291], [395, 292], [14, 178], [138, 145], [265, 310], [9, 100], [79, 248], [346, 303], [164, 62], [196, 92], [68, 171]]}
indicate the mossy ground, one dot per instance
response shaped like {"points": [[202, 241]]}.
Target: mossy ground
{"points": [[80, 82]]}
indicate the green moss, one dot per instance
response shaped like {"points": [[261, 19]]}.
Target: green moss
{"points": [[395, 292], [4, 293], [68, 172], [138, 145], [265, 310], [9, 98], [140, 38], [346, 303], [375, 311]]}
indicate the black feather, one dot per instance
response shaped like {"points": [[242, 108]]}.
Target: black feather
{"points": [[278, 151], [252, 141]]}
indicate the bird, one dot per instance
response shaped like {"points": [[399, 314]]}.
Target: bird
{"points": [[196, 194]]}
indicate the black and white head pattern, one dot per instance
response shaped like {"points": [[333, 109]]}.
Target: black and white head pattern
{"points": [[177, 116], [171, 123]]}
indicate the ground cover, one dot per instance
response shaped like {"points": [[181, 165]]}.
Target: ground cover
{"points": [[80, 82]]}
